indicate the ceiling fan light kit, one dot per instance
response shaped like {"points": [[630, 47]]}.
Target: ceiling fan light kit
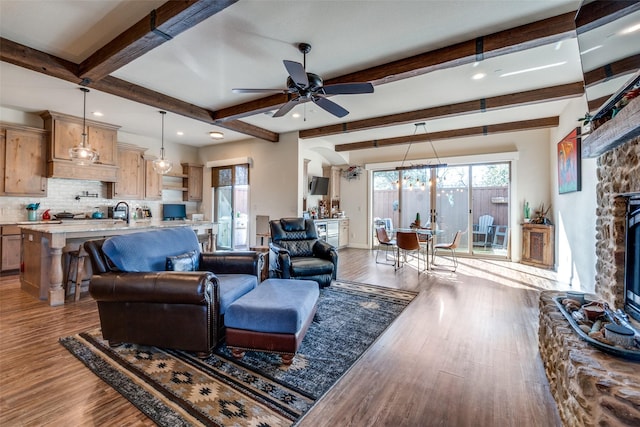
{"points": [[162, 165], [82, 154], [305, 87]]}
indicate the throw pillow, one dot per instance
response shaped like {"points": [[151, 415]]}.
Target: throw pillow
{"points": [[183, 262]]}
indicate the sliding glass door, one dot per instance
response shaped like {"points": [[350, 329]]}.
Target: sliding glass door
{"points": [[473, 199]]}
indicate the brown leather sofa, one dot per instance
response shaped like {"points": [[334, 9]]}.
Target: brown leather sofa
{"points": [[173, 309]]}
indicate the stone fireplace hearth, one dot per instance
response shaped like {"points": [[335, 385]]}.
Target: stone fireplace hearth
{"points": [[592, 388]]}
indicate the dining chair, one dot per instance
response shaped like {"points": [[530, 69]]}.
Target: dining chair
{"points": [[451, 246], [387, 243], [408, 242]]}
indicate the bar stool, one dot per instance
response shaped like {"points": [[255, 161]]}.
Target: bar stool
{"points": [[74, 269]]}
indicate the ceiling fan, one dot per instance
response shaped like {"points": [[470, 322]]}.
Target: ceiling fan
{"points": [[306, 87]]}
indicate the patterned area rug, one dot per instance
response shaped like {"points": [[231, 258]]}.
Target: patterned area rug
{"points": [[174, 388]]}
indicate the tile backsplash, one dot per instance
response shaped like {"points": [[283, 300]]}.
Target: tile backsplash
{"points": [[62, 197]]}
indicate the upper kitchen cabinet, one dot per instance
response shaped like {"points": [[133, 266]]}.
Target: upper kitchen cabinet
{"points": [[65, 132], [130, 183], [22, 161], [333, 173], [193, 182], [152, 181]]}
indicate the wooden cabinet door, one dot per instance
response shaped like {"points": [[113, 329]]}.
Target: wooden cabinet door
{"points": [[130, 176], [335, 183], [25, 163], [152, 182], [10, 252], [105, 142], [3, 144], [194, 184], [66, 136]]}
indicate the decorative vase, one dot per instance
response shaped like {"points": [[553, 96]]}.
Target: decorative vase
{"points": [[32, 215]]}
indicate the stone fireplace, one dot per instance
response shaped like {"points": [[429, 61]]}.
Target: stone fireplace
{"points": [[592, 388]]}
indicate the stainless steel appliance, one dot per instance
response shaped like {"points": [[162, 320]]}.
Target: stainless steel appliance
{"points": [[333, 232]]}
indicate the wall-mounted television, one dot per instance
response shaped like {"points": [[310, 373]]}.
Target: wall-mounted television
{"points": [[609, 51], [319, 186], [171, 211]]}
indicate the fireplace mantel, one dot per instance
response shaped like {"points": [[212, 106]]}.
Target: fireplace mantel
{"points": [[623, 127]]}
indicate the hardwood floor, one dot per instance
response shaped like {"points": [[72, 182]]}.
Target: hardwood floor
{"points": [[464, 353]]}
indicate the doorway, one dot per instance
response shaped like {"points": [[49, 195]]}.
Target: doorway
{"points": [[231, 187]]}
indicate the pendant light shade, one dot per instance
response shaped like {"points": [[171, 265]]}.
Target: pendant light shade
{"points": [[162, 165], [83, 154]]}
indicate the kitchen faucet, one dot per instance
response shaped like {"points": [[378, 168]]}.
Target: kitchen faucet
{"points": [[127, 214]]}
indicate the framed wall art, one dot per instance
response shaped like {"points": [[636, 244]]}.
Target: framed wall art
{"points": [[569, 160]]}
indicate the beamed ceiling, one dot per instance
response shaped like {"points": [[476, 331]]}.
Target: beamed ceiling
{"points": [[185, 57]]}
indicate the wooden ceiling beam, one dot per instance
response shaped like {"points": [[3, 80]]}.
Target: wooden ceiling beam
{"points": [[605, 72], [554, 93], [158, 27], [35, 60], [542, 123], [512, 40]]}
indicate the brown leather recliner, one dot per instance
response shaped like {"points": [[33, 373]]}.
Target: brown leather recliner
{"points": [[173, 309]]}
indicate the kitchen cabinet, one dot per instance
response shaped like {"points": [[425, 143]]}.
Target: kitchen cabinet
{"points": [[22, 161], [332, 199], [10, 247], [344, 233], [130, 183], [152, 181], [193, 181], [538, 245], [65, 132]]}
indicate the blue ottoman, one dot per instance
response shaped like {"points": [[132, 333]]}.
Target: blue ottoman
{"points": [[273, 317]]}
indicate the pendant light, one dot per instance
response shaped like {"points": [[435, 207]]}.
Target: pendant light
{"points": [[83, 154], [406, 182], [162, 165]]}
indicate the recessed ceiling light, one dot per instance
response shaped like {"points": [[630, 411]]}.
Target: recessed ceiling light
{"points": [[179, 133], [527, 70], [97, 114], [478, 76], [295, 115], [216, 135]]}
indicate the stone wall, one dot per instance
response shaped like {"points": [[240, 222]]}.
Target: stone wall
{"points": [[591, 388], [618, 172]]}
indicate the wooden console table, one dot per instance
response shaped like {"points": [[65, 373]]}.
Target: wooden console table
{"points": [[538, 245]]}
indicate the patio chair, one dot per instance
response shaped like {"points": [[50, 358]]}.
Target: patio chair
{"points": [[500, 236], [451, 246], [409, 244], [387, 243], [482, 230]]}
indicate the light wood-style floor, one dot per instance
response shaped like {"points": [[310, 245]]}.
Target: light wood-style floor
{"points": [[464, 353]]}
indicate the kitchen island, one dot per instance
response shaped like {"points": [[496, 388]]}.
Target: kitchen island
{"points": [[41, 270]]}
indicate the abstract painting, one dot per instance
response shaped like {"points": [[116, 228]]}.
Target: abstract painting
{"points": [[569, 159]]}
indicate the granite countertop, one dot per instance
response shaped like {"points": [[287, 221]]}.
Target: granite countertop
{"points": [[90, 225]]}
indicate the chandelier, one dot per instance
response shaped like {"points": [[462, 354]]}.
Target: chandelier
{"points": [[408, 183]]}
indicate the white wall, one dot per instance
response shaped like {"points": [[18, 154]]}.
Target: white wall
{"points": [[275, 178], [575, 213]]}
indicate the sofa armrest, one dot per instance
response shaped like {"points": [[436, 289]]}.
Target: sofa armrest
{"points": [[232, 262], [197, 288], [322, 249]]}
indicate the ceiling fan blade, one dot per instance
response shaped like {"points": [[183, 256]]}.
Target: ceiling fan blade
{"points": [[286, 108], [297, 73], [243, 90], [329, 106], [348, 88]]}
